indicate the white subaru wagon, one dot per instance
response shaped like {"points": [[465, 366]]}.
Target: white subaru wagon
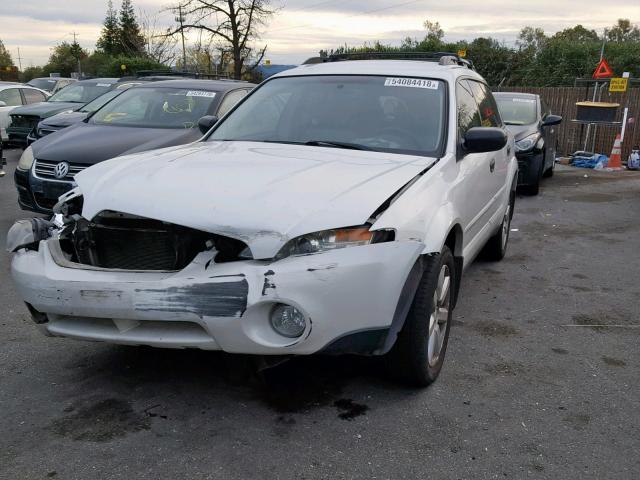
{"points": [[333, 210]]}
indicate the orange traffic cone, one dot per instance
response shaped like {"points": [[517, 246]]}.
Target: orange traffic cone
{"points": [[615, 160]]}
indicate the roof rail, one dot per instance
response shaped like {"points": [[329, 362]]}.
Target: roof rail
{"points": [[443, 58]]}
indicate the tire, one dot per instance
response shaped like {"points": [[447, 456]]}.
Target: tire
{"points": [[418, 354], [496, 247], [549, 172], [534, 188]]}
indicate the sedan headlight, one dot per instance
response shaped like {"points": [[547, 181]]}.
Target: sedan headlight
{"points": [[333, 239], [527, 143], [26, 160]]}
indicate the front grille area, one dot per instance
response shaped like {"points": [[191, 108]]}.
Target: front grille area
{"points": [[44, 202], [24, 121], [122, 241], [46, 169]]}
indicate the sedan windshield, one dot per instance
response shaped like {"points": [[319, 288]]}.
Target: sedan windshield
{"points": [[80, 92], [392, 114], [517, 110], [156, 107]]}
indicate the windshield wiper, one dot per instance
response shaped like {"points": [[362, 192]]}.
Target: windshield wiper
{"points": [[326, 143], [513, 123]]}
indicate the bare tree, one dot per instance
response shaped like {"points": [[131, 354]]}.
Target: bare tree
{"points": [[159, 44], [233, 24]]}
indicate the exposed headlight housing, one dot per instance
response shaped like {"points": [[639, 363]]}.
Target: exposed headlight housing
{"points": [[28, 233], [527, 143], [333, 239], [26, 159]]}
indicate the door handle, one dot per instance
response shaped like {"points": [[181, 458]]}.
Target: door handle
{"points": [[492, 165]]}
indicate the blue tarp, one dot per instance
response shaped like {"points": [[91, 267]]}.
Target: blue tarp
{"points": [[590, 161]]}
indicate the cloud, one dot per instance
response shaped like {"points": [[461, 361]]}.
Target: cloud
{"points": [[302, 27]]}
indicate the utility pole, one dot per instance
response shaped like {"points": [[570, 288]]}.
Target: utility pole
{"points": [[19, 60], [75, 44], [180, 19]]}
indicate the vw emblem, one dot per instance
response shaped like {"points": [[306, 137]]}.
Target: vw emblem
{"points": [[61, 170]]}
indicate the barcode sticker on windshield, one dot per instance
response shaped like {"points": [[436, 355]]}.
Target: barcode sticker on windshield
{"points": [[200, 93], [103, 84], [411, 82], [523, 100]]}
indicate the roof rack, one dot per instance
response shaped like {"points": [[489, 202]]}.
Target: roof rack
{"points": [[443, 58]]}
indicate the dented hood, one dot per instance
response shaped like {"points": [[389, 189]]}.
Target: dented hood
{"points": [[261, 193]]}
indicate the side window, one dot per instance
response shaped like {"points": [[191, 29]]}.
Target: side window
{"points": [[468, 115], [33, 96], [11, 96], [488, 108], [230, 100]]}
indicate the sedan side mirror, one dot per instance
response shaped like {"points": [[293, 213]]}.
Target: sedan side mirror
{"points": [[551, 120], [205, 123], [2, 104], [484, 139]]}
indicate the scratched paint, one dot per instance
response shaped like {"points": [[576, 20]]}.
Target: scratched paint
{"points": [[216, 299]]}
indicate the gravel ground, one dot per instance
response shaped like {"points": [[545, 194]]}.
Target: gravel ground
{"points": [[541, 378]]}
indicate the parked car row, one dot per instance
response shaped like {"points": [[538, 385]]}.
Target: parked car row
{"points": [[333, 210]]}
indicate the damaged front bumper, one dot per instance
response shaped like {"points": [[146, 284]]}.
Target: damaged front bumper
{"points": [[347, 293]]}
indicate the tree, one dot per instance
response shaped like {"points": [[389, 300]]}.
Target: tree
{"points": [[623, 31], [131, 40], [64, 59], [159, 45], [109, 41], [576, 34], [531, 39], [5, 56], [232, 23], [434, 31]]}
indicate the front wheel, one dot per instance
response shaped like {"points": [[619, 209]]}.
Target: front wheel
{"points": [[418, 354]]}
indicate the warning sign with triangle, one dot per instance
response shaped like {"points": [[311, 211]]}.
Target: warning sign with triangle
{"points": [[603, 70]]}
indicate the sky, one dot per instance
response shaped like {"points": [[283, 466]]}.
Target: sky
{"points": [[300, 28]]}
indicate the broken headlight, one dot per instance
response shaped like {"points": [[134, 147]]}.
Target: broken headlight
{"points": [[333, 239]]}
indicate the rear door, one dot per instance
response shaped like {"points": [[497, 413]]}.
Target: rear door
{"points": [[12, 99], [549, 135], [499, 160]]}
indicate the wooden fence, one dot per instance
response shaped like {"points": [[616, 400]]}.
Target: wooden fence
{"points": [[571, 135]]}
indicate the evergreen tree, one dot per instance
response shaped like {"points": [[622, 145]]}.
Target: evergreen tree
{"points": [[131, 39], [5, 56], [109, 41]]}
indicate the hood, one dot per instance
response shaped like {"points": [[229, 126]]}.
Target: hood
{"points": [[521, 131], [45, 109], [261, 193], [64, 119], [90, 144]]}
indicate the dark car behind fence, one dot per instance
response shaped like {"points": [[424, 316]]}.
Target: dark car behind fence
{"points": [[562, 101]]}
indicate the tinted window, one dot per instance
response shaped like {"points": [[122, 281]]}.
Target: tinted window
{"points": [[468, 115], [94, 105], [47, 84], [33, 96], [11, 96], [402, 115], [517, 110], [230, 100], [156, 107], [489, 113]]}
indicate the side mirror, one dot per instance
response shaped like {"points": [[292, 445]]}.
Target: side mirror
{"points": [[205, 123], [2, 104], [484, 139], [551, 120]]}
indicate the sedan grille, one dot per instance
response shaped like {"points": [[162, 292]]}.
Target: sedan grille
{"points": [[46, 169], [24, 121]]}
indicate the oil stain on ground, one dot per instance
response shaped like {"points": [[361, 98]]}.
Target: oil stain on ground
{"points": [[100, 422], [613, 362], [349, 409], [577, 420], [491, 328]]}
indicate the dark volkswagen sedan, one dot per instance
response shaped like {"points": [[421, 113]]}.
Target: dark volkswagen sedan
{"points": [[532, 124], [145, 117]]}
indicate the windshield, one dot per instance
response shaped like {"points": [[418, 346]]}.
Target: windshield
{"points": [[81, 92], [47, 84], [401, 115], [517, 110], [156, 107], [100, 101]]}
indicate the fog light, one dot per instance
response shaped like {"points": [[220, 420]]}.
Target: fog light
{"points": [[288, 321]]}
